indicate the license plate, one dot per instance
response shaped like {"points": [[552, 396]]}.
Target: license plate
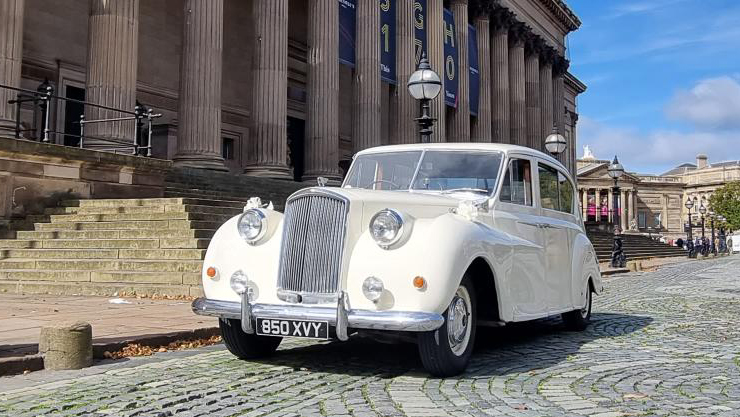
{"points": [[293, 328]]}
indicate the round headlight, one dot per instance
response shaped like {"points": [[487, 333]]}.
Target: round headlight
{"points": [[239, 282], [386, 227], [372, 288], [252, 225]]}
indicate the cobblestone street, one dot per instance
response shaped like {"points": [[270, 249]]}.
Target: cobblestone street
{"points": [[661, 343]]}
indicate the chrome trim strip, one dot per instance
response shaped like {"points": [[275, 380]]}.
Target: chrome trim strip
{"points": [[410, 321]]}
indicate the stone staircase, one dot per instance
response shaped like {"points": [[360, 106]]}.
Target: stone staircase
{"points": [[108, 247], [635, 247]]}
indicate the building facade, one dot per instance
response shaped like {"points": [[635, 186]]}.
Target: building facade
{"points": [[650, 203], [262, 87]]}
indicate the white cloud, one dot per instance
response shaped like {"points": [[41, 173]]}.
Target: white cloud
{"points": [[713, 104], [657, 151]]}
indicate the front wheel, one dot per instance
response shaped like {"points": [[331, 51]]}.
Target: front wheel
{"points": [[243, 345], [446, 351], [578, 319]]}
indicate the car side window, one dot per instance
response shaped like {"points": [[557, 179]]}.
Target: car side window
{"points": [[517, 184], [549, 194], [566, 193]]}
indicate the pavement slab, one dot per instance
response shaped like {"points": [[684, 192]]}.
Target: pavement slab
{"points": [[661, 343]]}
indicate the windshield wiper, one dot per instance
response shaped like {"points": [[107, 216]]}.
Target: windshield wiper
{"points": [[472, 190]]}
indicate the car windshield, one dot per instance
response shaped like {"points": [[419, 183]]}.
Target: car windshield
{"points": [[443, 171]]}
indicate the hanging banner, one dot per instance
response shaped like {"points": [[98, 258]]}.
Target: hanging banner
{"points": [[388, 40], [347, 29], [474, 72], [451, 65], [420, 29]]}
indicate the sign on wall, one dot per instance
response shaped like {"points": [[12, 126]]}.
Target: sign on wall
{"points": [[474, 72], [420, 29], [388, 40], [347, 28], [450, 63]]}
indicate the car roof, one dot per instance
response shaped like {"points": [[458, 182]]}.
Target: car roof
{"points": [[467, 146]]}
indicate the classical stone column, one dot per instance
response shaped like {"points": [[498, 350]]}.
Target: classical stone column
{"points": [[517, 86], [546, 96], [622, 207], [559, 70], [597, 201], [366, 81], [532, 89], [481, 129], [500, 101], [406, 108], [585, 204], [199, 133], [112, 55], [11, 56], [610, 207], [435, 47], [267, 151], [459, 129], [322, 122]]}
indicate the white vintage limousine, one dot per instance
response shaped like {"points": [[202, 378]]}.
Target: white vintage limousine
{"points": [[421, 242]]}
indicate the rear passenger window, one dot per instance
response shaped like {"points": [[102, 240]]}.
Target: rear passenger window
{"points": [[549, 195], [556, 192], [517, 184]]}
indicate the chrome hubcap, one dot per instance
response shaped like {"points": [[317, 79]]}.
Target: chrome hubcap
{"points": [[458, 320]]}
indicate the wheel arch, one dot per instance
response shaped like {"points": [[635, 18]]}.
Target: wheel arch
{"points": [[482, 275]]}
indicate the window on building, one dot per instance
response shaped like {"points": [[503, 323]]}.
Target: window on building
{"points": [[517, 185], [642, 220], [227, 149]]}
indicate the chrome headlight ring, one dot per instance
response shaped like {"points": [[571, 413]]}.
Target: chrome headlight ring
{"points": [[252, 225], [387, 228]]}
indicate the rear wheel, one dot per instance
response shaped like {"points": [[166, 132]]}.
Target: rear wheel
{"points": [[446, 351], [243, 345], [579, 319]]}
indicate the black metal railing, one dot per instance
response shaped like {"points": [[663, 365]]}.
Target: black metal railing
{"points": [[43, 101]]}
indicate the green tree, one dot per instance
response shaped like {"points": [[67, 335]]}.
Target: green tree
{"points": [[726, 201]]}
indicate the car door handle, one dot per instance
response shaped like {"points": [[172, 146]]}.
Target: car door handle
{"points": [[538, 225]]}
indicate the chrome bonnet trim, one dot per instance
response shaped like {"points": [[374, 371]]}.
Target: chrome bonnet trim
{"points": [[410, 321]]}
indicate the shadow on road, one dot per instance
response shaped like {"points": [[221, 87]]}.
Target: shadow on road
{"points": [[518, 347]]}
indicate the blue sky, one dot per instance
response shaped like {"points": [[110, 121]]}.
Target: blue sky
{"points": [[663, 80]]}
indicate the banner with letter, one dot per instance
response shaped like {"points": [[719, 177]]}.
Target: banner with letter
{"points": [[347, 30], [474, 70], [450, 63], [420, 29], [388, 40]]}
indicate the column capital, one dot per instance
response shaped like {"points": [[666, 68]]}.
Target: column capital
{"points": [[548, 55], [480, 9], [453, 2], [533, 44], [560, 66], [518, 34], [501, 19]]}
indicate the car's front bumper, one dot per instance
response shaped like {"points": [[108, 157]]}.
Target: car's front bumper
{"points": [[337, 317]]}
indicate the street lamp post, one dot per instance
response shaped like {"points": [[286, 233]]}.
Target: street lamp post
{"points": [[713, 248], [615, 171], [689, 240], [424, 85], [703, 211]]}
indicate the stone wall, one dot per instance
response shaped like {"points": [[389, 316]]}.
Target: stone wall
{"points": [[35, 175]]}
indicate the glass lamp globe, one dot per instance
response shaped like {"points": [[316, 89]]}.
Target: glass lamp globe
{"points": [[702, 209], [616, 169], [555, 142], [689, 203], [424, 83]]}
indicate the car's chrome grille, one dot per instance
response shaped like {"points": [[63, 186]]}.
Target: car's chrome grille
{"points": [[313, 242]]}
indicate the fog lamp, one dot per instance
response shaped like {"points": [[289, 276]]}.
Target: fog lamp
{"points": [[239, 282], [372, 288]]}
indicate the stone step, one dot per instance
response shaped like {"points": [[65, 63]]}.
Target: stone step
{"points": [[109, 265], [101, 276], [130, 225], [78, 218], [178, 243], [167, 208], [152, 202], [165, 254], [98, 288]]}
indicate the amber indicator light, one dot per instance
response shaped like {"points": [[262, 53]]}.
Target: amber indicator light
{"points": [[419, 282], [211, 272]]}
